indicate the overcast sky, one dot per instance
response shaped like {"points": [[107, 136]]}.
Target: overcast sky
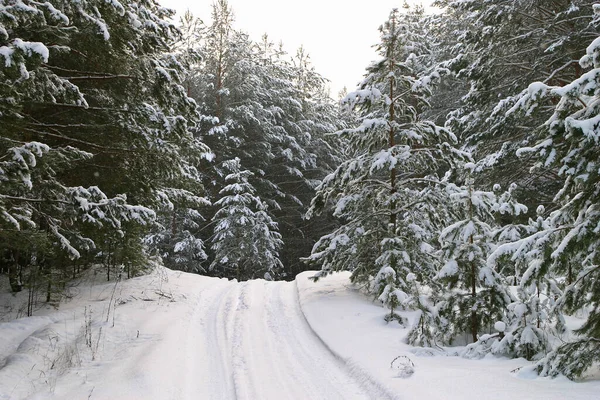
{"points": [[338, 34]]}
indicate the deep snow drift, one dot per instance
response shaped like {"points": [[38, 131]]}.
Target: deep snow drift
{"points": [[171, 335]]}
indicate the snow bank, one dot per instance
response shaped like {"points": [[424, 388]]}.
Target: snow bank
{"points": [[129, 340], [352, 326]]}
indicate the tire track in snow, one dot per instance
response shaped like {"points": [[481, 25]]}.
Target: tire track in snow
{"points": [[260, 370], [216, 380], [247, 341], [308, 361], [238, 353], [259, 345], [276, 355]]}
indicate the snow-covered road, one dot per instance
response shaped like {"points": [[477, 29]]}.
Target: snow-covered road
{"points": [[216, 339], [261, 347]]}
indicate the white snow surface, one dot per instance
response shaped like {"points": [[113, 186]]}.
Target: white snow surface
{"points": [[353, 327], [172, 335]]}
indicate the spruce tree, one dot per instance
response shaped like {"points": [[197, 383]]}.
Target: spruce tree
{"points": [[473, 288], [245, 240], [94, 128], [500, 48], [271, 113]]}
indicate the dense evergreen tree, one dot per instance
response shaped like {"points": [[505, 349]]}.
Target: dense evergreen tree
{"points": [[94, 128], [388, 191], [176, 236], [245, 241], [500, 48], [566, 245], [473, 288], [271, 112]]}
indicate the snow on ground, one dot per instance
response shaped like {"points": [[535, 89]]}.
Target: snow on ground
{"points": [[171, 335], [353, 327]]}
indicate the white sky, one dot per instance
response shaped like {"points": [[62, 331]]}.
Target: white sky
{"points": [[338, 34]]}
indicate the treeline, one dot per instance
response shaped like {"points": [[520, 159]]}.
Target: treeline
{"points": [[127, 139], [470, 186], [265, 116]]}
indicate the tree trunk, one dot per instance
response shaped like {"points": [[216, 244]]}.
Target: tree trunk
{"points": [[174, 223], [392, 133], [49, 289], [15, 273], [32, 289], [474, 324]]}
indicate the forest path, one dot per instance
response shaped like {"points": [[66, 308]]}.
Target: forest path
{"points": [[175, 336], [261, 347]]}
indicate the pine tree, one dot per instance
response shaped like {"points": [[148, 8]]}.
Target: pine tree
{"points": [[188, 48], [175, 237], [387, 193], [387, 285], [501, 47], [531, 317], [473, 288], [298, 176], [272, 114]]}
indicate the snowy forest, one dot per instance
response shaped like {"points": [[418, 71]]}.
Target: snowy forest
{"points": [[460, 179]]}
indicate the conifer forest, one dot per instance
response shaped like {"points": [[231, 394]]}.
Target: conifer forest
{"points": [[460, 179]]}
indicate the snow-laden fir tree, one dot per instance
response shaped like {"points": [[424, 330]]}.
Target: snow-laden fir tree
{"points": [[387, 192], [568, 244], [531, 317], [425, 330], [188, 48], [475, 294], [175, 237], [298, 177], [245, 240], [387, 284], [271, 113]]}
